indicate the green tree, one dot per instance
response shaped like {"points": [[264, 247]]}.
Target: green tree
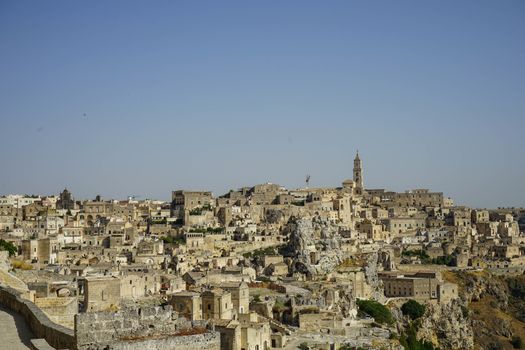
{"points": [[8, 246], [413, 309], [409, 339], [346, 347], [303, 346], [173, 239], [378, 311]]}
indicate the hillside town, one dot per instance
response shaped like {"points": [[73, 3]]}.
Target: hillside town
{"points": [[264, 267]]}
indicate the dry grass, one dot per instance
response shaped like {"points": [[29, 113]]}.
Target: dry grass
{"points": [[352, 262], [22, 265], [492, 317], [486, 311], [112, 308], [452, 277]]}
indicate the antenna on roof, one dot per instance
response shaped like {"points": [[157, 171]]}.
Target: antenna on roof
{"points": [[307, 180]]}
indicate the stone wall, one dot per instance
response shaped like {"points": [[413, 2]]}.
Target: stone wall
{"points": [[61, 311], [57, 336], [155, 327], [206, 341]]}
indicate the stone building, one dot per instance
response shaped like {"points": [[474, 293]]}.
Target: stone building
{"points": [[217, 304], [132, 286], [188, 304], [182, 201], [194, 240], [480, 216], [372, 230], [43, 250], [404, 224], [94, 210], [250, 332], [420, 198], [506, 251], [65, 201], [240, 296], [255, 332], [419, 286], [100, 293]]}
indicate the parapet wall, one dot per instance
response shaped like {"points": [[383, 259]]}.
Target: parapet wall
{"points": [[153, 328], [56, 335]]}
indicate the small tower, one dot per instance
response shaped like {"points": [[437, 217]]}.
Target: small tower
{"points": [[358, 174]]}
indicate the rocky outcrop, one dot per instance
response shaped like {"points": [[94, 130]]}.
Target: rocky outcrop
{"points": [[346, 305], [494, 307], [314, 245], [447, 326], [478, 285], [372, 278], [274, 216], [4, 260]]}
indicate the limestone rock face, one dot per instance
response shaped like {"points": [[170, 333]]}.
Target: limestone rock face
{"points": [[346, 305], [274, 216], [446, 326], [372, 278], [315, 246], [478, 285], [4, 260]]}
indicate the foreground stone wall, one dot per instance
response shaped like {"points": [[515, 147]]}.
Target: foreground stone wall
{"points": [[156, 327], [206, 341], [56, 335], [106, 327]]}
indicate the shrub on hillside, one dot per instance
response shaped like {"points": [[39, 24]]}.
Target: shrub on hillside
{"points": [[413, 309], [516, 342], [378, 311]]}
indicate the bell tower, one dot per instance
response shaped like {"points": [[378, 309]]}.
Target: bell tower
{"points": [[358, 174]]}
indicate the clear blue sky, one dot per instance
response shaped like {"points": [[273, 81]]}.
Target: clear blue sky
{"points": [[223, 94]]}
